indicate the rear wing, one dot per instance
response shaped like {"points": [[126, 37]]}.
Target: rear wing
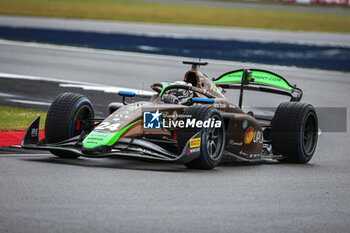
{"points": [[258, 80]]}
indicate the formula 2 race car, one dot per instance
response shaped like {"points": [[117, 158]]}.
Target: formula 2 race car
{"points": [[188, 122]]}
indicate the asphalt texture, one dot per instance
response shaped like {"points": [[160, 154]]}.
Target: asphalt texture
{"points": [[42, 193]]}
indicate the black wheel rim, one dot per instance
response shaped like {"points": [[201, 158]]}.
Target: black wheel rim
{"points": [[214, 139], [309, 134]]}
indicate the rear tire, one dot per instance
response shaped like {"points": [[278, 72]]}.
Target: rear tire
{"points": [[212, 141], [294, 132], [64, 120]]}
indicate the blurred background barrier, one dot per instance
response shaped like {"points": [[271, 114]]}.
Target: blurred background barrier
{"points": [[322, 2], [327, 57]]}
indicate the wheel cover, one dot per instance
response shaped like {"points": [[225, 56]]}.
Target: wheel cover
{"points": [[214, 140], [309, 134]]}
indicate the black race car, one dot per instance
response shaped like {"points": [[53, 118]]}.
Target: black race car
{"points": [[188, 122]]}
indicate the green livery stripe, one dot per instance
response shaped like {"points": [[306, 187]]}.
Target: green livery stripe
{"points": [[119, 133], [95, 139], [164, 85], [235, 77], [260, 77]]}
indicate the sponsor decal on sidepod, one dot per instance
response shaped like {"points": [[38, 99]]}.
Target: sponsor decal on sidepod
{"points": [[252, 135], [195, 144]]}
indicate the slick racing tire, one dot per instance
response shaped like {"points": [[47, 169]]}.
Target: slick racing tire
{"points": [[294, 132], [65, 119], [212, 141]]}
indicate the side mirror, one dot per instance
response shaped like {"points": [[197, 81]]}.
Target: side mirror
{"points": [[126, 94]]}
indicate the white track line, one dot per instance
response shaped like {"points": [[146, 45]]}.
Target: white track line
{"points": [[29, 102], [76, 84]]}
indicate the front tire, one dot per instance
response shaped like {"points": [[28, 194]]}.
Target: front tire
{"points": [[212, 141], [294, 132], [65, 119]]}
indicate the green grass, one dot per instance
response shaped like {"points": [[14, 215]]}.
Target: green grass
{"points": [[19, 118], [177, 14]]}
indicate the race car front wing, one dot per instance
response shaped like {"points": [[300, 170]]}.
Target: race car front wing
{"points": [[125, 147]]}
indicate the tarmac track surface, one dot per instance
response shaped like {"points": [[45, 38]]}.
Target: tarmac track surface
{"points": [[41, 193]]}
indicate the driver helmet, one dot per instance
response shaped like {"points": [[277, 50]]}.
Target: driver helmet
{"points": [[181, 92]]}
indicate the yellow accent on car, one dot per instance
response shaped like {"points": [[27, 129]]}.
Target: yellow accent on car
{"points": [[248, 136], [195, 142]]}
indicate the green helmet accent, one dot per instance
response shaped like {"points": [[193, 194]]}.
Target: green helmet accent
{"points": [[164, 85], [256, 76]]}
